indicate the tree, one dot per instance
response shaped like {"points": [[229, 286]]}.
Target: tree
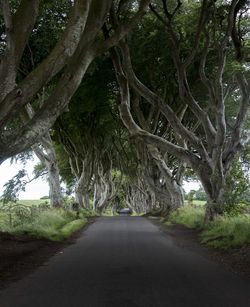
{"points": [[88, 138], [78, 45], [210, 153], [45, 152]]}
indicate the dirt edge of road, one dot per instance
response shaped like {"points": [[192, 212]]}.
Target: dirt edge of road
{"points": [[236, 260], [20, 255]]}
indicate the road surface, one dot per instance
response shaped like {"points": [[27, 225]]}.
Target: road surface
{"points": [[127, 262]]}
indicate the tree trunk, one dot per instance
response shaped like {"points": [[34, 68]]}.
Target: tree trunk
{"points": [[48, 158], [55, 193], [82, 193], [214, 188]]}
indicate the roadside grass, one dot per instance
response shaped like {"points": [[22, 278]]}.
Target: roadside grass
{"points": [[169, 224], [228, 231], [138, 214], [225, 232], [53, 224], [35, 218], [190, 216]]}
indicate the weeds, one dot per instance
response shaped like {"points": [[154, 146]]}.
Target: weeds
{"points": [[228, 231], [169, 224], [225, 232], [190, 216], [52, 224]]}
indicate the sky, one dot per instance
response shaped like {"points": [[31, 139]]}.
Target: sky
{"points": [[34, 190], [39, 187]]}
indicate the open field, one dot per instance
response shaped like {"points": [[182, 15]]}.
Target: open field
{"points": [[197, 202], [32, 202]]}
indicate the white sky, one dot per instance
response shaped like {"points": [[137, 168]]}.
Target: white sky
{"points": [[39, 187], [188, 186], [34, 190]]}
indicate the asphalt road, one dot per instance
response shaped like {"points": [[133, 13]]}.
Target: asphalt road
{"points": [[127, 261]]}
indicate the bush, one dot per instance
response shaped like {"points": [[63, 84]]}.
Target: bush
{"points": [[236, 209], [228, 231], [190, 216]]}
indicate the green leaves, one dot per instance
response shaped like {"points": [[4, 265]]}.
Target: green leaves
{"points": [[14, 186]]}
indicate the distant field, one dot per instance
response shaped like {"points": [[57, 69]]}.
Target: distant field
{"points": [[30, 202], [197, 202]]}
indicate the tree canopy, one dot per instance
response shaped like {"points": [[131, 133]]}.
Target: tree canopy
{"points": [[127, 95]]}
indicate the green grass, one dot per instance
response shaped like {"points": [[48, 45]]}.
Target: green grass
{"points": [[227, 232], [138, 214], [199, 202], [162, 219], [189, 216], [52, 224], [169, 224], [196, 202], [30, 202]]}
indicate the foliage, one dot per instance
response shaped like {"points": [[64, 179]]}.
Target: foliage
{"points": [[237, 184], [85, 212], [39, 170], [55, 225], [227, 232], [169, 224], [45, 197], [234, 209], [17, 214], [14, 186], [199, 202], [17, 184], [190, 216], [200, 194]]}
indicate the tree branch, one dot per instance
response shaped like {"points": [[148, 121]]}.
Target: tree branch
{"points": [[122, 30]]}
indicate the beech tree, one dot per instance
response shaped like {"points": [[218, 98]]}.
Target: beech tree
{"points": [[78, 45], [211, 154], [89, 139], [45, 152]]}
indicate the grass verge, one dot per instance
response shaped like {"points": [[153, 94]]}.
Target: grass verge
{"points": [[225, 232], [228, 231], [55, 225], [192, 217]]}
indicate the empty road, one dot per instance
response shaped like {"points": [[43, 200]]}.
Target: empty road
{"points": [[128, 262]]}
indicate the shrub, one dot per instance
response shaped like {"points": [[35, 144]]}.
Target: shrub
{"points": [[45, 197]]}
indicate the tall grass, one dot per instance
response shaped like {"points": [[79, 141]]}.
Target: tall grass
{"points": [[228, 231], [192, 217], [55, 225], [30, 202], [225, 232]]}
